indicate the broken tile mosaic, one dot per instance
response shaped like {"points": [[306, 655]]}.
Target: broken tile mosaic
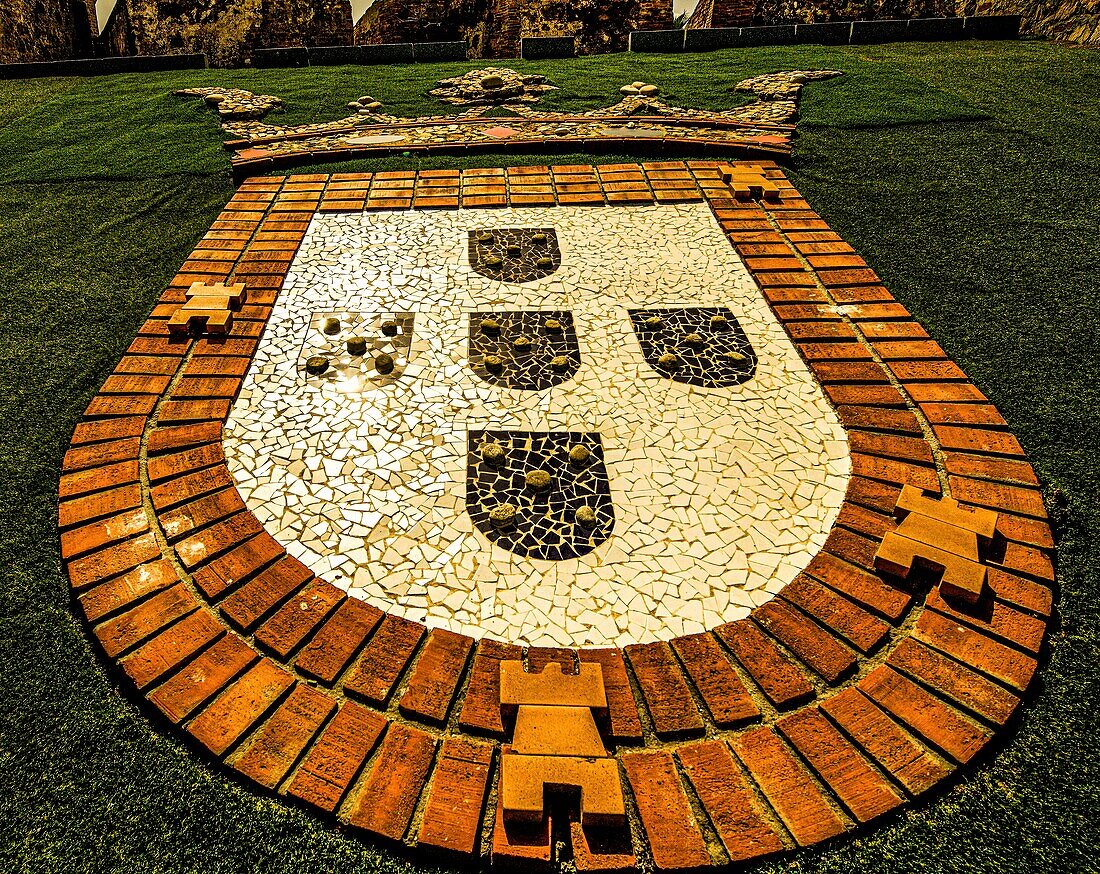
{"points": [[720, 495], [702, 346], [349, 350], [555, 484], [514, 254], [532, 350]]}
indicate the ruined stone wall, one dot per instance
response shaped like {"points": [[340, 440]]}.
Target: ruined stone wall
{"points": [[788, 11], [722, 13], [1076, 20], [225, 30], [35, 30]]}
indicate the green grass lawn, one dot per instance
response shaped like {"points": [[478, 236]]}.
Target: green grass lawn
{"points": [[967, 174]]}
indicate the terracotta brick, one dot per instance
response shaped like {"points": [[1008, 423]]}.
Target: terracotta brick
{"points": [[975, 649], [852, 547], [861, 629], [782, 682], [720, 784], [997, 496], [954, 681], [240, 706], [928, 717], [674, 837], [239, 564], [100, 454], [1025, 560], [336, 757], [623, 722], [172, 646], [860, 586], [807, 640], [994, 619], [878, 419], [217, 539], [538, 657], [1004, 470], [719, 684], [873, 494], [324, 657], [121, 405], [868, 523], [390, 792], [264, 592], [982, 414], [203, 678], [182, 521], [97, 535], [140, 622], [1031, 532], [100, 479], [283, 738], [112, 561], [978, 440], [830, 372], [481, 706], [452, 815], [1021, 592], [871, 395], [125, 590], [880, 737], [295, 620], [859, 787], [666, 693], [896, 472], [435, 680], [195, 411], [178, 463], [180, 490], [945, 392], [911, 449], [108, 503], [789, 789], [893, 331], [384, 659], [519, 844], [108, 429]]}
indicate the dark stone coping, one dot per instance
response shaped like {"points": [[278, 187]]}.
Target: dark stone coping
{"points": [[860, 32], [103, 66], [534, 48], [386, 53]]}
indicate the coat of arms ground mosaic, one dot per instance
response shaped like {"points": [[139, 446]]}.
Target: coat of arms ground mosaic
{"points": [[614, 516]]}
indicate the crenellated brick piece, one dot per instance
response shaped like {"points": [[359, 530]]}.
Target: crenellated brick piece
{"points": [[940, 534]]}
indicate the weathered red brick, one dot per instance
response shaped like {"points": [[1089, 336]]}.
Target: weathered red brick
{"points": [[435, 680], [807, 640], [270, 587], [239, 564], [481, 705], [97, 535], [782, 682], [111, 561], [125, 590], [720, 784], [109, 503], [324, 657], [108, 429], [926, 716], [719, 684], [171, 647], [860, 586], [336, 757], [879, 736], [452, 814], [203, 678], [99, 479], [674, 837], [283, 738], [789, 789], [954, 681], [854, 624], [858, 786], [100, 454], [181, 521], [390, 792], [664, 689], [240, 706], [384, 659], [217, 539], [295, 620], [994, 619], [975, 649], [624, 724]]}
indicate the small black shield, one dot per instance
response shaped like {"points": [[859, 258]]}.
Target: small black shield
{"points": [[703, 346], [524, 350], [514, 254], [539, 494]]}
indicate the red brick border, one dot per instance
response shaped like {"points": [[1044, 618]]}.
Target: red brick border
{"points": [[841, 699]]}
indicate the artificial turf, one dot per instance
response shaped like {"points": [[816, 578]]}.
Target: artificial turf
{"points": [[967, 174]]}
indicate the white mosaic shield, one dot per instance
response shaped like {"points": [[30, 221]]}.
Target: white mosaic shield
{"points": [[721, 493]]}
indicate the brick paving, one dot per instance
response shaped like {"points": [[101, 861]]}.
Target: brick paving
{"points": [[847, 696]]}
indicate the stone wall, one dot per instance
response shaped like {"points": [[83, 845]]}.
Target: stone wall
{"points": [[493, 28], [1076, 20], [225, 30], [788, 11], [36, 30]]}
